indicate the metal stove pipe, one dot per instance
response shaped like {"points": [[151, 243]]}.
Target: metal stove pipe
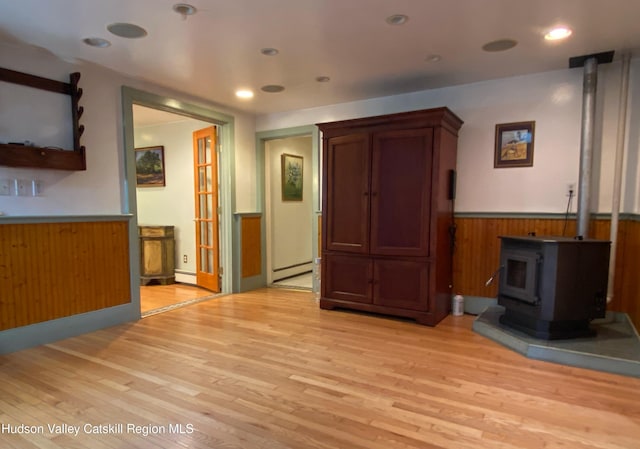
{"points": [[590, 83], [589, 88]]}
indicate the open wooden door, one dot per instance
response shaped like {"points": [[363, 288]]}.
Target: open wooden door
{"points": [[205, 159]]}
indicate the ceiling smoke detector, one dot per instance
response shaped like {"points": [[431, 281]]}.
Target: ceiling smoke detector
{"points": [[184, 10]]}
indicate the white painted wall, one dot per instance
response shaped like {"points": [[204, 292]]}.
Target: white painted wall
{"points": [[94, 191], [99, 189], [289, 223], [553, 100], [52, 115], [173, 204]]}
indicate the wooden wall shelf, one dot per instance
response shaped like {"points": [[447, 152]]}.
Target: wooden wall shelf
{"points": [[36, 157], [12, 155]]}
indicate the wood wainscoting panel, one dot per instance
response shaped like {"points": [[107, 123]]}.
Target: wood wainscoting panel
{"points": [[477, 254], [55, 270], [251, 246], [627, 292]]}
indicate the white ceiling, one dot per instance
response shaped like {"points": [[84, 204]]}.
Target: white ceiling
{"points": [[216, 51]]}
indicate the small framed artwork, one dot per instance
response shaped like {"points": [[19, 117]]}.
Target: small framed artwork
{"points": [[514, 145], [150, 166], [291, 177]]}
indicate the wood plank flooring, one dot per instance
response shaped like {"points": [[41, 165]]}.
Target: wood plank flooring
{"points": [[269, 370], [154, 297]]}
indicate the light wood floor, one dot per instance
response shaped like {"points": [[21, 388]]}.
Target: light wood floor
{"points": [[154, 297], [269, 370]]}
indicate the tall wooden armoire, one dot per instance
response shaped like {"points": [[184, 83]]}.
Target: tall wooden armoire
{"points": [[387, 213]]}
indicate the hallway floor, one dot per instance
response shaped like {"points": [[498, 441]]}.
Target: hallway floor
{"points": [[303, 281], [159, 298]]}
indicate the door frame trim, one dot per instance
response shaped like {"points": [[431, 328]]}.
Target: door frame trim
{"points": [[226, 125]]}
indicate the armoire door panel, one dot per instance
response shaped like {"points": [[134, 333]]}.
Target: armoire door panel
{"points": [[347, 278], [401, 284], [347, 205], [401, 192]]}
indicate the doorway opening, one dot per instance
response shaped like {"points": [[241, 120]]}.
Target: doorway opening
{"points": [[291, 216], [173, 204], [178, 235], [289, 212]]}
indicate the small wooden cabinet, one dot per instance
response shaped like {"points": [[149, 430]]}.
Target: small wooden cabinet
{"points": [[157, 254], [387, 213]]}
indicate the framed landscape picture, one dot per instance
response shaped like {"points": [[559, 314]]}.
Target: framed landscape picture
{"points": [[291, 177], [514, 145], [150, 166]]}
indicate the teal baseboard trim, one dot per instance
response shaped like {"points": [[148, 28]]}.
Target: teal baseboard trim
{"points": [[622, 216], [542, 215], [475, 305], [25, 337]]}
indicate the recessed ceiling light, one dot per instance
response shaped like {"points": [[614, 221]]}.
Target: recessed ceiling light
{"points": [[323, 79], [128, 30], [184, 9], [269, 51], [96, 42], [433, 58], [272, 88], [499, 45], [397, 19], [558, 33], [244, 93]]}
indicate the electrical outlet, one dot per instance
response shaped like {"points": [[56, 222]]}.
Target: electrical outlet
{"points": [[184, 258], [5, 187], [36, 187], [20, 187], [571, 189]]}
